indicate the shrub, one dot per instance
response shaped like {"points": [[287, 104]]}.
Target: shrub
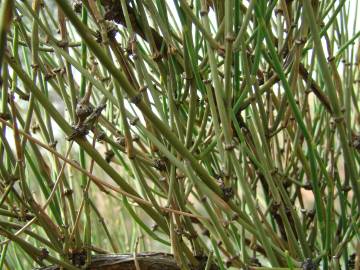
{"points": [[222, 132]]}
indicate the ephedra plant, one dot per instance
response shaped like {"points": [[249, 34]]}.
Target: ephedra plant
{"points": [[202, 134]]}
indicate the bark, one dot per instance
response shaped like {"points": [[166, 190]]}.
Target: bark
{"points": [[146, 261]]}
